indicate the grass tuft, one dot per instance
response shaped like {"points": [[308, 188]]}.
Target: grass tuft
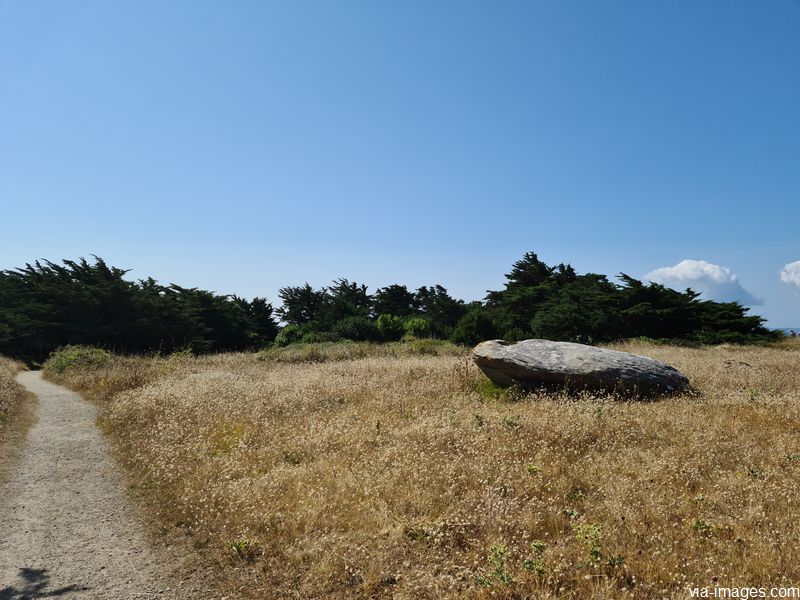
{"points": [[11, 393]]}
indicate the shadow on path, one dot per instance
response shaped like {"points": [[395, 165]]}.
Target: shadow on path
{"points": [[36, 582]]}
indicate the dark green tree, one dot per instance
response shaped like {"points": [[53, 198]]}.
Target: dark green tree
{"points": [[556, 303], [395, 300], [341, 300], [583, 309], [46, 305], [300, 304], [440, 308], [529, 284]]}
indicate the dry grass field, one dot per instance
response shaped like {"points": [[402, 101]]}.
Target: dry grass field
{"points": [[407, 476], [16, 414], [11, 394]]}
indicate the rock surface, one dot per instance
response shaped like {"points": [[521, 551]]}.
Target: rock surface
{"points": [[542, 363]]}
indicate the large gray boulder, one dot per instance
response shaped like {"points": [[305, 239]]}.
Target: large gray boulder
{"points": [[542, 363]]}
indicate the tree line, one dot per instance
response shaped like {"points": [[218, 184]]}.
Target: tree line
{"points": [[45, 305]]}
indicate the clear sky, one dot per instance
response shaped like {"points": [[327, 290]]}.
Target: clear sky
{"points": [[243, 146]]}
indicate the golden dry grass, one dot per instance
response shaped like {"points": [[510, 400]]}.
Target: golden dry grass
{"points": [[332, 351], [402, 477], [11, 394]]}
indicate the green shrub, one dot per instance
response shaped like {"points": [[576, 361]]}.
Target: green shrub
{"points": [[390, 327], [76, 356], [319, 337], [418, 327], [290, 334], [474, 327], [495, 393], [358, 329]]}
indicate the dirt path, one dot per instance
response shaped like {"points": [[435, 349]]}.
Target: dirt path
{"points": [[66, 527]]}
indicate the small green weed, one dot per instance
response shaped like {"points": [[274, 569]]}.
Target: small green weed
{"points": [[479, 421], [703, 527], [616, 561], [591, 536], [575, 495], [246, 549], [535, 563], [497, 558]]}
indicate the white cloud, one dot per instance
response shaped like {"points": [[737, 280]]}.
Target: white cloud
{"points": [[715, 282], [791, 273]]}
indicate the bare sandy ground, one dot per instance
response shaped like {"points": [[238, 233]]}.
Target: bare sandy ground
{"points": [[67, 529]]}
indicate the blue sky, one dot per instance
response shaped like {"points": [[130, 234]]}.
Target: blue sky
{"points": [[245, 146]]}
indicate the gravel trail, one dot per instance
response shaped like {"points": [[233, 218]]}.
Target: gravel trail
{"points": [[67, 529]]}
